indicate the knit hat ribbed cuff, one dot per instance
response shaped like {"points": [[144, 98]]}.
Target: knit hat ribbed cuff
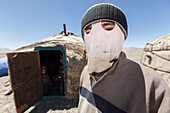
{"points": [[106, 11]]}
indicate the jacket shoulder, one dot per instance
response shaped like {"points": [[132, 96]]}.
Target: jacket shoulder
{"points": [[153, 78]]}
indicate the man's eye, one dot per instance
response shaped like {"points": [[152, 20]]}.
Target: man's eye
{"points": [[88, 29], [108, 25]]}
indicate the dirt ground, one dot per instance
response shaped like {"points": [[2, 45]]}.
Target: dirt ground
{"points": [[6, 102]]}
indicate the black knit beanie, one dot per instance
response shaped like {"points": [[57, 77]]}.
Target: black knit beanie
{"points": [[106, 11]]}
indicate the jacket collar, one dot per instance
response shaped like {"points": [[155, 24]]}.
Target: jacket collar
{"points": [[120, 62]]}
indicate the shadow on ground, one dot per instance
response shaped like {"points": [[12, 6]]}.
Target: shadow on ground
{"points": [[43, 106]]}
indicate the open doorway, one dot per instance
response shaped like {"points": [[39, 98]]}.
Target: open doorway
{"points": [[52, 70]]}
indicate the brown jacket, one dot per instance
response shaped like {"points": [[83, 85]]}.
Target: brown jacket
{"points": [[126, 87]]}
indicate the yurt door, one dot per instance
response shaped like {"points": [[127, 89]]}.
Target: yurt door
{"points": [[25, 75], [54, 59]]}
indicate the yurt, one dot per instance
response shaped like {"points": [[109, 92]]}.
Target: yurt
{"points": [[156, 55], [63, 57]]}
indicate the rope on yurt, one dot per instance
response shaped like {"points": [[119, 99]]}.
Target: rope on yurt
{"points": [[159, 56], [156, 68]]}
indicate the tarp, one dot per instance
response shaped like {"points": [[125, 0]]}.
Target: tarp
{"points": [[3, 66]]}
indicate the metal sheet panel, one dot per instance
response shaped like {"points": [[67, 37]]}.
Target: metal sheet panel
{"points": [[26, 80]]}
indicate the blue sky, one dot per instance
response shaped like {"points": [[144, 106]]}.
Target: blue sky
{"points": [[23, 22]]}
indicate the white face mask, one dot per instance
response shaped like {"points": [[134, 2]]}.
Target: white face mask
{"points": [[102, 47]]}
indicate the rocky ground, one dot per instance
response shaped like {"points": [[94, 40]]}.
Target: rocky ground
{"points": [[6, 102], [53, 106]]}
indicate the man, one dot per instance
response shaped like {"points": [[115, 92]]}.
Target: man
{"points": [[111, 83]]}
